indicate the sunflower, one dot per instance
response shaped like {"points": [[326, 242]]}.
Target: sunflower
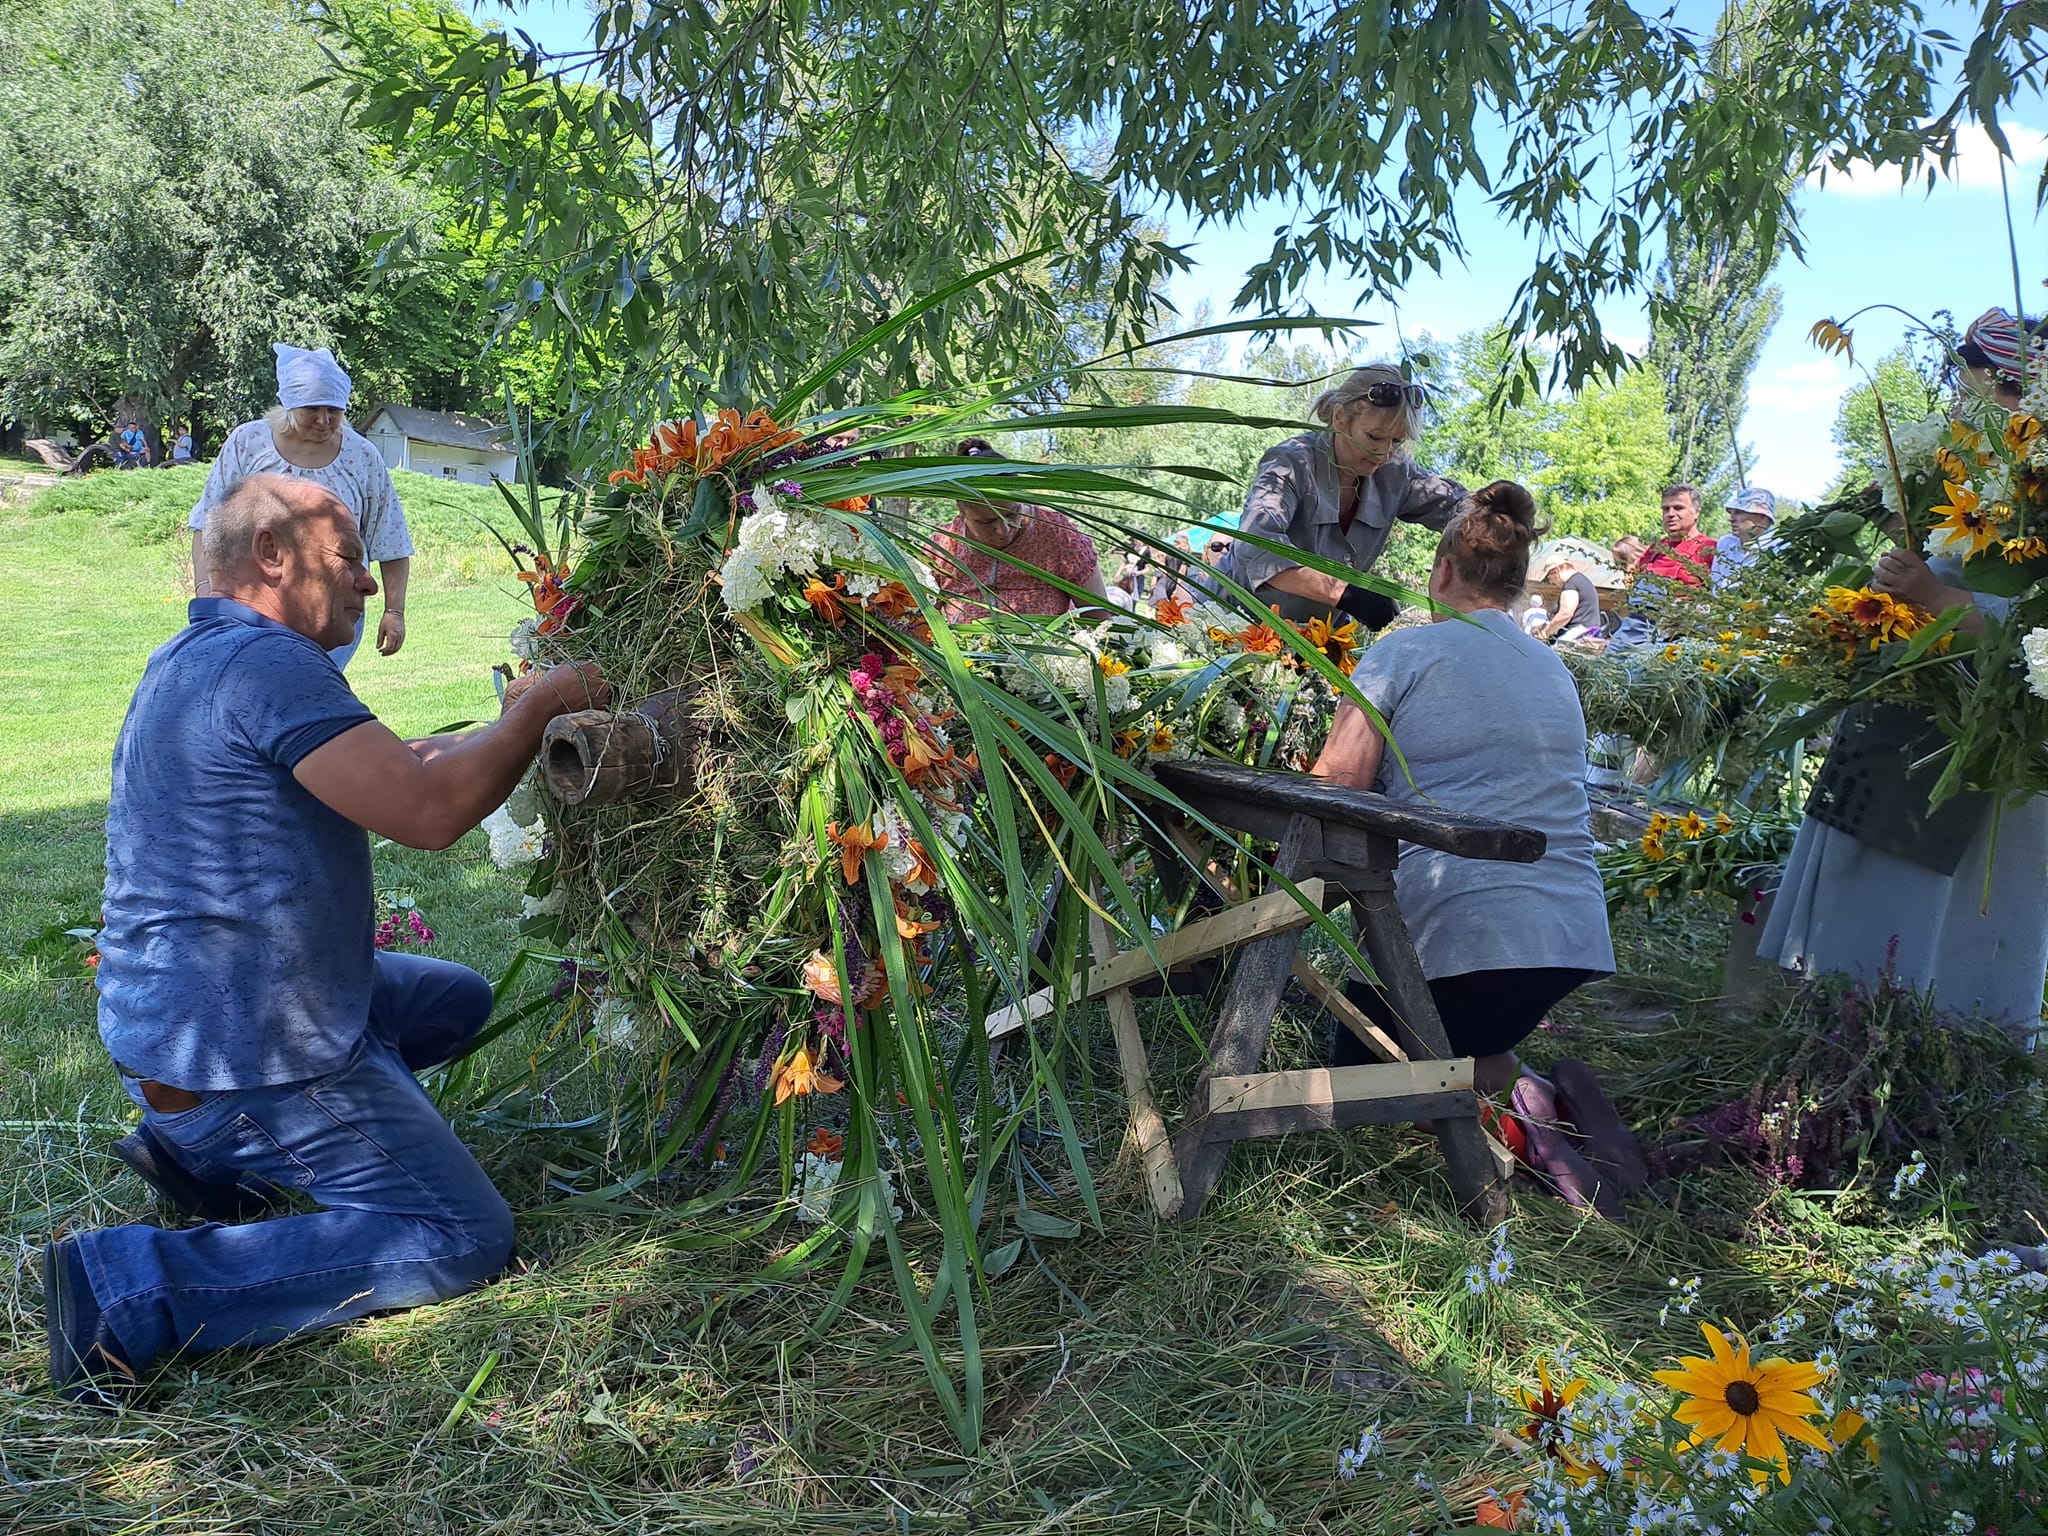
{"points": [[1965, 520], [1723, 823], [1746, 1406], [1339, 643], [2020, 433], [2019, 551], [1877, 614], [1692, 825]]}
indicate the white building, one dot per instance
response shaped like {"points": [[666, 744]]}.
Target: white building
{"points": [[448, 444]]}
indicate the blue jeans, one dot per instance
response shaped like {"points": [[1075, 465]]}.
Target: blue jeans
{"points": [[407, 1216]]}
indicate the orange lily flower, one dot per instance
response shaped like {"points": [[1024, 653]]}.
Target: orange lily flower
{"points": [[678, 445], [1259, 640], [827, 601], [1170, 612], [1062, 770], [923, 757], [909, 925], [903, 678], [922, 870], [854, 844], [802, 1071], [893, 601], [829, 1145], [853, 504]]}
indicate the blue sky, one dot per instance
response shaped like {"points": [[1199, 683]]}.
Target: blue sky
{"points": [[1867, 242]]}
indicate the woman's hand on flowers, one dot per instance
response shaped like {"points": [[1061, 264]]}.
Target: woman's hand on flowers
{"points": [[1902, 574]]}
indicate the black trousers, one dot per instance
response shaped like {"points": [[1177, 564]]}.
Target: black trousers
{"points": [[1486, 1013]]}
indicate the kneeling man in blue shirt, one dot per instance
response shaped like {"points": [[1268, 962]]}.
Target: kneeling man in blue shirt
{"points": [[241, 994]]}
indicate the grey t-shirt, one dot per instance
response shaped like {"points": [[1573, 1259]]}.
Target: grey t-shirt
{"points": [[1489, 722]]}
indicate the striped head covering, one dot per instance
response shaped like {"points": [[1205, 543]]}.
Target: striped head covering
{"points": [[1998, 334]]}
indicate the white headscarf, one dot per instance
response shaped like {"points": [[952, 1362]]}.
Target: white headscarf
{"points": [[309, 378]]}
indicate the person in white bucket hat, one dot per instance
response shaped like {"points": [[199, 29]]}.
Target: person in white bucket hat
{"points": [[1752, 513], [307, 437]]}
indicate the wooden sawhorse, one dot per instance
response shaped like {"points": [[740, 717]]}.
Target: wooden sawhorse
{"points": [[1336, 845]]}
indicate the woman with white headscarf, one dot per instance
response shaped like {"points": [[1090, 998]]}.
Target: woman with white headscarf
{"points": [[308, 437]]}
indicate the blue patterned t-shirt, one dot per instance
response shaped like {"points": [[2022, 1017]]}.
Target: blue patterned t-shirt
{"points": [[238, 945]]}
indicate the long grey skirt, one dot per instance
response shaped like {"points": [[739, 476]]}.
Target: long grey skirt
{"points": [[1842, 905]]}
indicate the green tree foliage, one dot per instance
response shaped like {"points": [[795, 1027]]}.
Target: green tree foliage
{"points": [[1605, 459], [746, 186], [1909, 394], [172, 201], [170, 204], [1710, 313]]}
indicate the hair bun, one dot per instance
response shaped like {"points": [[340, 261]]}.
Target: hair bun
{"points": [[1488, 542]]}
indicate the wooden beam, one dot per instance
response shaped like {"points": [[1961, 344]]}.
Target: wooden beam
{"points": [[1148, 1126], [1327, 1085], [1227, 1126], [1276, 912], [1471, 837], [1332, 997]]}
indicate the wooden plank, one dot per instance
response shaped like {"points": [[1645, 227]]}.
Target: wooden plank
{"points": [[1471, 837], [1238, 1041], [1226, 1126], [1148, 1126], [1214, 875], [1277, 912], [1332, 997], [1343, 847], [1327, 1085]]}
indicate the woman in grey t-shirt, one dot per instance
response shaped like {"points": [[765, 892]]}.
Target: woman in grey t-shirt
{"points": [[1488, 723]]}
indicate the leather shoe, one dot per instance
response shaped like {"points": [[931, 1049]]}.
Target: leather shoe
{"points": [[86, 1360]]}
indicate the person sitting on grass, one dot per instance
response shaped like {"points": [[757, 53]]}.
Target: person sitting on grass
{"points": [[270, 1046], [1488, 723]]}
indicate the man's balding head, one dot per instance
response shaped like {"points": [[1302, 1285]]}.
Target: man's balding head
{"points": [[291, 551], [259, 504]]}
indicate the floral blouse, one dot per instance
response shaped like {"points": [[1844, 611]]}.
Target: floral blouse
{"points": [[981, 582]]}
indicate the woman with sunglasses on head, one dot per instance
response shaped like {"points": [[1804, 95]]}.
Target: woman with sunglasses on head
{"points": [[1337, 493]]}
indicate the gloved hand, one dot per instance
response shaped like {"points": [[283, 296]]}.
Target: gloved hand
{"points": [[1375, 610]]}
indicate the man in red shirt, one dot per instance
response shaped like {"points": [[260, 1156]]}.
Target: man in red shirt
{"points": [[1684, 554]]}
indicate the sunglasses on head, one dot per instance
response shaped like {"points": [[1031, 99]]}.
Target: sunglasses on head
{"points": [[1384, 394]]}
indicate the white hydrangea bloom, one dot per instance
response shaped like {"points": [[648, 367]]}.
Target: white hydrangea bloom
{"points": [[513, 846], [614, 1024], [2035, 647], [544, 906], [784, 538], [526, 639]]}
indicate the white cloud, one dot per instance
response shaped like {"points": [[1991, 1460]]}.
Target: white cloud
{"points": [[1975, 165], [1802, 389]]}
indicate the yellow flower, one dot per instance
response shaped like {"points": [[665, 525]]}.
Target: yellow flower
{"points": [[2019, 551], [1878, 614], [1111, 667], [2020, 433], [1748, 1407], [1690, 825], [1965, 520], [1671, 652], [1723, 823], [1339, 644], [1845, 1426], [1659, 824], [1653, 848], [803, 1071]]}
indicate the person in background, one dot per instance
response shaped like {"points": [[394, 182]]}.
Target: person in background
{"points": [[307, 437], [131, 446], [1683, 555], [1337, 493], [180, 439], [1578, 603], [1628, 553], [996, 555], [1947, 898], [1752, 511], [270, 1046], [1489, 724]]}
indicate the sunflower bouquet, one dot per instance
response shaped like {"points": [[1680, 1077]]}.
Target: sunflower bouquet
{"points": [[1728, 852]]}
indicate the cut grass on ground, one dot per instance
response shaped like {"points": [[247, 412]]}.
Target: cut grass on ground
{"points": [[1141, 1378]]}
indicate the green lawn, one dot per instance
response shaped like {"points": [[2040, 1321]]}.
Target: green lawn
{"points": [[1141, 1378]]}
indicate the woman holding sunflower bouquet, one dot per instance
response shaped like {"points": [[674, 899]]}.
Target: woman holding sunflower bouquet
{"points": [[1946, 898]]}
